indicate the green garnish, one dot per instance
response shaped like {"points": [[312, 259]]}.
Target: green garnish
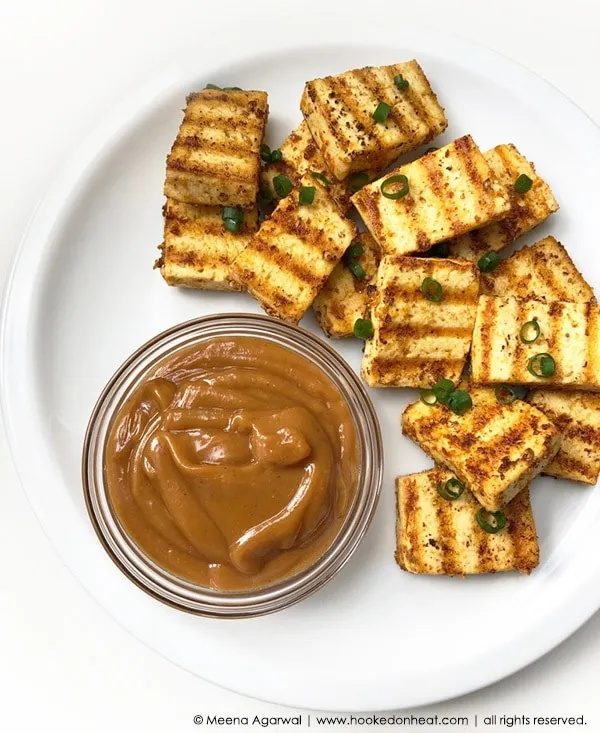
{"points": [[232, 219], [358, 180], [363, 328], [491, 522], [523, 183], [432, 289], [400, 82], [530, 332], [276, 156], [357, 269], [265, 153], [232, 89], [354, 251], [282, 185], [443, 389], [321, 178], [541, 365], [428, 397], [306, 195], [460, 401], [439, 250], [451, 490], [213, 86], [489, 262], [381, 112], [504, 394], [395, 192]]}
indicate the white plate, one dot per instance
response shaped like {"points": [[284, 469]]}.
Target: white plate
{"points": [[83, 295]]}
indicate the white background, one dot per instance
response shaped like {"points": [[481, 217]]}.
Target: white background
{"points": [[64, 664]]}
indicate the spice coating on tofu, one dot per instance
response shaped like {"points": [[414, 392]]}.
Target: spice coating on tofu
{"points": [[577, 416], [495, 449], [344, 298], [527, 210], [339, 112], [293, 253], [568, 332], [435, 536], [215, 159], [417, 341], [197, 250], [450, 192]]}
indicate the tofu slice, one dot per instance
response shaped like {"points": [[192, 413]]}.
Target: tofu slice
{"points": [[451, 191], [494, 449], [344, 298], [569, 332], [416, 341], [577, 416], [526, 210], [543, 271], [293, 253], [215, 159], [435, 536], [197, 250], [339, 112]]}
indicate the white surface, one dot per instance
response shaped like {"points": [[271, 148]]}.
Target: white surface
{"points": [[69, 698]]}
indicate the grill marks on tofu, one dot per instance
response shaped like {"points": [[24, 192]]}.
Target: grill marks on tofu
{"points": [[451, 191], [494, 449], [416, 341], [344, 298], [197, 250], [290, 258], [543, 271], [569, 332], [339, 112], [526, 210], [577, 416], [439, 537], [215, 159]]}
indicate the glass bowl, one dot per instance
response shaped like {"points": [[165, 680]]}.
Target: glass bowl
{"points": [[185, 595]]}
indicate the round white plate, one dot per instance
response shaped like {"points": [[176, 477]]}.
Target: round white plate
{"points": [[83, 295]]}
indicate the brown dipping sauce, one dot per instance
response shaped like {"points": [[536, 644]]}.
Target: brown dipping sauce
{"points": [[233, 464]]}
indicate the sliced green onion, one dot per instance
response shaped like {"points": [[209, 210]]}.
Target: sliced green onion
{"points": [[306, 195], [530, 332], [358, 180], [357, 269], [439, 250], [523, 183], [231, 225], [541, 365], [354, 251], [443, 389], [491, 522], [400, 82], [460, 401], [321, 178], [282, 185], [232, 219], [504, 394], [213, 86], [363, 328], [232, 89], [428, 397], [395, 193], [432, 289], [451, 490], [276, 155], [265, 153], [381, 112], [489, 262]]}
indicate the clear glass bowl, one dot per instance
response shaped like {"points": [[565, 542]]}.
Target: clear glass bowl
{"points": [[182, 594]]}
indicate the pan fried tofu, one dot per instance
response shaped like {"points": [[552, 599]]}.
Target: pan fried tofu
{"points": [[417, 341], [339, 112], [527, 210], [293, 253], [577, 416], [440, 537], [451, 191], [197, 250], [345, 298], [495, 449], [569, 333], [543, 271], [215, 159]]}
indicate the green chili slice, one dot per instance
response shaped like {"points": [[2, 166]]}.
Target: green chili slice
{"points": [[354, 251], [282, 185], [530, 332], [363, 328], [432, 289], [451, 490], [390, 190], [523, 183], [491, 522], [489, 262], [460, 401], [542, 365], [401, 82], [357, 269], [321, 178], [443, 389], [306, 195], [381, 112], [428, 397], [504, 394]]}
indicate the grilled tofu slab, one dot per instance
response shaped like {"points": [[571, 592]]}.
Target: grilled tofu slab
{"points": [[417, 341], [345, 298], [543, 271], [569, 333], [451, 191], [294, 252], [495, 449], [577, 416], [527, 210], [197, 250], [215, 159], [440, 537], [339, 112]]}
